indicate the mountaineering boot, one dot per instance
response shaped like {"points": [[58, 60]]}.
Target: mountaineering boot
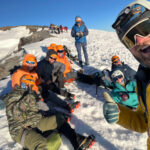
{"points": [[86, 63], [85, 142], [68, 118], [80, 71], [71, 107], [81, 64]]}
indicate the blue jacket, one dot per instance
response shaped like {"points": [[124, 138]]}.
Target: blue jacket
{"points": [[130, 89], [76, 29]]}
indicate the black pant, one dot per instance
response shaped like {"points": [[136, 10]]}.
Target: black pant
{"points": [[70, 133]]}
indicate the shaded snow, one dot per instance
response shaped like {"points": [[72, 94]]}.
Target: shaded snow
{"points": [[88, 119]]}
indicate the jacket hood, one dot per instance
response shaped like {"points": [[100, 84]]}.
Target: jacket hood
{"points": [[28, 57]]}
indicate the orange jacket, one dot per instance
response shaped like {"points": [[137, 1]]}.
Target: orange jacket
{"points": [[65, 61], [24, 70]]}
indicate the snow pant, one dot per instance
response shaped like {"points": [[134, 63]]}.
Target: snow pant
{"points": [[54, 101], [81, 77], [84, 47], [31, 139], [54, 88]]}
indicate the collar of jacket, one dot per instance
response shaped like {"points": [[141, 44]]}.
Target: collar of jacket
{"points": [[143, 74]]}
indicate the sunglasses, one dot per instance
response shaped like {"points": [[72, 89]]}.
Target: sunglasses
{"points": [[117, 77], [142, 29], [60, 51], [30, 62], [52, 58]]}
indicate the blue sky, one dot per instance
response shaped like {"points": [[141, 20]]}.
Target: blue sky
{"points": [[97, 14]]}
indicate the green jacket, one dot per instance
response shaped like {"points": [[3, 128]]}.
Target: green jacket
{"points": [[130, 89], [21, 110]]}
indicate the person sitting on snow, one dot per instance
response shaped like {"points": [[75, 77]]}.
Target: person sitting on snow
{"points": [[29, 66], [71, 74], [124, 91], [30, 127], [51, 73]]}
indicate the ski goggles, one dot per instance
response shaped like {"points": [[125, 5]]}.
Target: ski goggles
{"points": [[30, 62], [60, 51], [141, 29], [23, 85], [117, 77]]}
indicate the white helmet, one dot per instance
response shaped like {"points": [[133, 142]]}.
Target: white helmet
{"points": [[134, 19]]}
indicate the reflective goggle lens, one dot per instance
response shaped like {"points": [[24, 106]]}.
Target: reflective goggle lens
{"points": [[30, 62], [23, 85], [142, 29], [116, 78]]}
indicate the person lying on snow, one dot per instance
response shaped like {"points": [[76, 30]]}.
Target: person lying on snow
{"points": [[71, 74], [124, 91], [126, 69], [28, 125], [51, 74], [104, 77]]}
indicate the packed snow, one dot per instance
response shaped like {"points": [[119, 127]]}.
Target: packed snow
{"points": [[88, 119]]}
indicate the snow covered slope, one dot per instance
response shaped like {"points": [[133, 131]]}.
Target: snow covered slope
{"points": [[88, 119]]}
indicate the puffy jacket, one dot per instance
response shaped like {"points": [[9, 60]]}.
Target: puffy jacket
{"points": [[49, 71], [65, 61], [139, 120], [76, 29], [24, 71], [130, 89], [22, 110]]}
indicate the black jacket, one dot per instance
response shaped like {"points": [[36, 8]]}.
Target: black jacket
{"points": [[44, 70]]}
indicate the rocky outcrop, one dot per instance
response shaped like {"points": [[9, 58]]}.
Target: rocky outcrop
{"points": [[9, 64], [35, 37]]}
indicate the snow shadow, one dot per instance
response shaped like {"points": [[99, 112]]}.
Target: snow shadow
{"points": [[44, 49], [6, 89], [91, 88], [86, 129]]}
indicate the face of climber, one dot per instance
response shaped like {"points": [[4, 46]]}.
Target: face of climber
{"points": [[60, 53], [141, 49]]}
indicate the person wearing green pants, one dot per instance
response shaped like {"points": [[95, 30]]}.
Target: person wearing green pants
{"points": [[28, 124]]}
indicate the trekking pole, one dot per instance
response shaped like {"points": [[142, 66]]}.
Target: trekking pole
{"points": [[96, 89]]}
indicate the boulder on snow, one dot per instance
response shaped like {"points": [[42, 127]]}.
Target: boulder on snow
{"points": [[35, 37]]}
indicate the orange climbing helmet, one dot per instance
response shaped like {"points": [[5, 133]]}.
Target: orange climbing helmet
{"points": [[115, 59], [52, 47]]}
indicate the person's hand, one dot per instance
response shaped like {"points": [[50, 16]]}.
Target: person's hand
{"points": [[124, 96], [81, 34], [78, 34], [110, 109], [48, 82]]}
